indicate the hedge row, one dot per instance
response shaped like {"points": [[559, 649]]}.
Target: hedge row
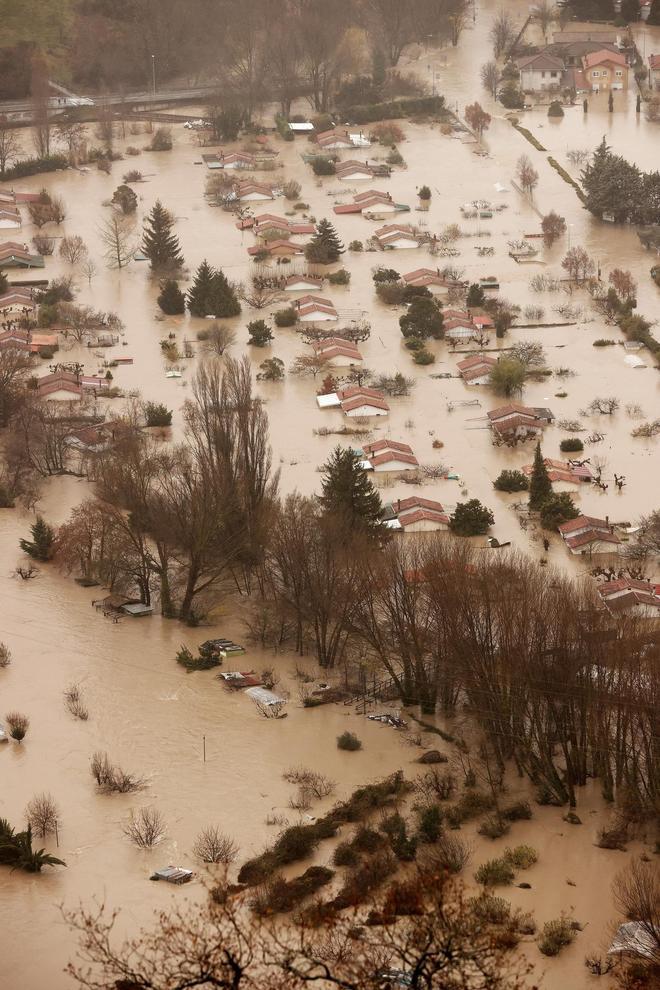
{"points": [[33, 166], [394, 109]]}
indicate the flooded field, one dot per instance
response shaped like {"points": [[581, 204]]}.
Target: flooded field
{"points": [[144, 710]]}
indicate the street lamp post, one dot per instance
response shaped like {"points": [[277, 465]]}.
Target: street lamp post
{"points": [[153, 73]]}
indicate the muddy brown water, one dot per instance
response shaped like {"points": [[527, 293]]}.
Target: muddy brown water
{"points": [[147, 713]]}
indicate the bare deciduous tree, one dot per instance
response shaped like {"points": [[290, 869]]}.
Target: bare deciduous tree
{"points": [[75, 703], [502, 33], [491, 78], [145, 827], [213, 846], [73, 249], [117, 236], [42, 814], [9, 146]]}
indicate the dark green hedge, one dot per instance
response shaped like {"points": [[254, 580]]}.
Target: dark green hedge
{"points": [[394, 109], [33, 166]]}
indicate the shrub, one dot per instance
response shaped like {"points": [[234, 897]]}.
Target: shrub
{"points": [[18, 725], [47, 352], [521, 857], [43, 245], [494, 827], [368, 875], [323, 166], [571, 444], [557, 934], [259, 333], [555, 109], [280, 895], [556, 509], [34, 166], [472, 804], [356, 246], [391, 293], [291, 189], [342, 277], [434, 785], [495, 873], [367, 840], [133, 175], [345, 855], [348, 741], [613, 838], [285, 317], [5, 654], [450, 853], [423, 356], [490, 909], [429, 827], [395, 109], [74, 703], [162, 140], [157, 414], [511, 481], [387, 134], [171, 299], [213, 846], [112, 779], [519, 811], [603, 342]]}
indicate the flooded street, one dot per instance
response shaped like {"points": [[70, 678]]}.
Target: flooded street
{"points": [[150, 715]]}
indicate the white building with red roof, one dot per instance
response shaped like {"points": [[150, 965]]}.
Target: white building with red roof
{"points": [[588, 535], [383, 456], [630, 596], [337, 352]]}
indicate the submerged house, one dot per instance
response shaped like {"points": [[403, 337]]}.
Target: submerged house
{"points": [[417, 515], [431, 279], [337, 352], [302, 283], [588, 535], [631, 597], [251, 192], [382, 456], [355, 401], [475, 370], [314, 309], [10, 218], [372, 203], [16, 300], [514, 422], [279, 248], [563, 471], [397, 236], [264, 223], [15, 255], [67, 386], [339, 138]]}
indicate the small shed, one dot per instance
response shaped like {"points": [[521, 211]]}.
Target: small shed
{"points": [[137, 609], [172, 874]]}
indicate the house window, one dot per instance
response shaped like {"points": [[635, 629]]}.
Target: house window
{"points": [[595, 73], [543, 75], [554, 75], [619, 73]]}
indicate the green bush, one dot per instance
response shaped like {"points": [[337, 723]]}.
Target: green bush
{"points": [[157, 414], [367, 877], [356, 246], [521, 857], [348, 741], [495, 873], [162, 140], [323, 166], [346, 855], [285, 317], [35, 166], [511, 481], [342, 277], [490, 909], [423, 356], [395, 109], [429, 827], [280, 895], [471, 805], [555, 109], [404, 846], [471, 518], [603, 342], [557, 934], [571, 444]]}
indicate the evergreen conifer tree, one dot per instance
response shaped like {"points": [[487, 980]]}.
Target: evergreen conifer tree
{"points": [[160, 245], [223, 301], [171, 299], [476, 295], [325, 246], [42, 544], [200, 293], [348, 494], [540, 486]]}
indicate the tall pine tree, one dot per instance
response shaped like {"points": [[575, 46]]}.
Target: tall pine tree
{"points": [[200, 292], [224, 301], [540, 486], [171, 299], [160, 245], [42, 544], [325, 246], [347, 493]]}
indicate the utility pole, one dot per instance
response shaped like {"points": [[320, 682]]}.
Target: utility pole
{"points": [[153, 73]]}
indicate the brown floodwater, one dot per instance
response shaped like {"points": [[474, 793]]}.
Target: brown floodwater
{"points": [[144, 710]]}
